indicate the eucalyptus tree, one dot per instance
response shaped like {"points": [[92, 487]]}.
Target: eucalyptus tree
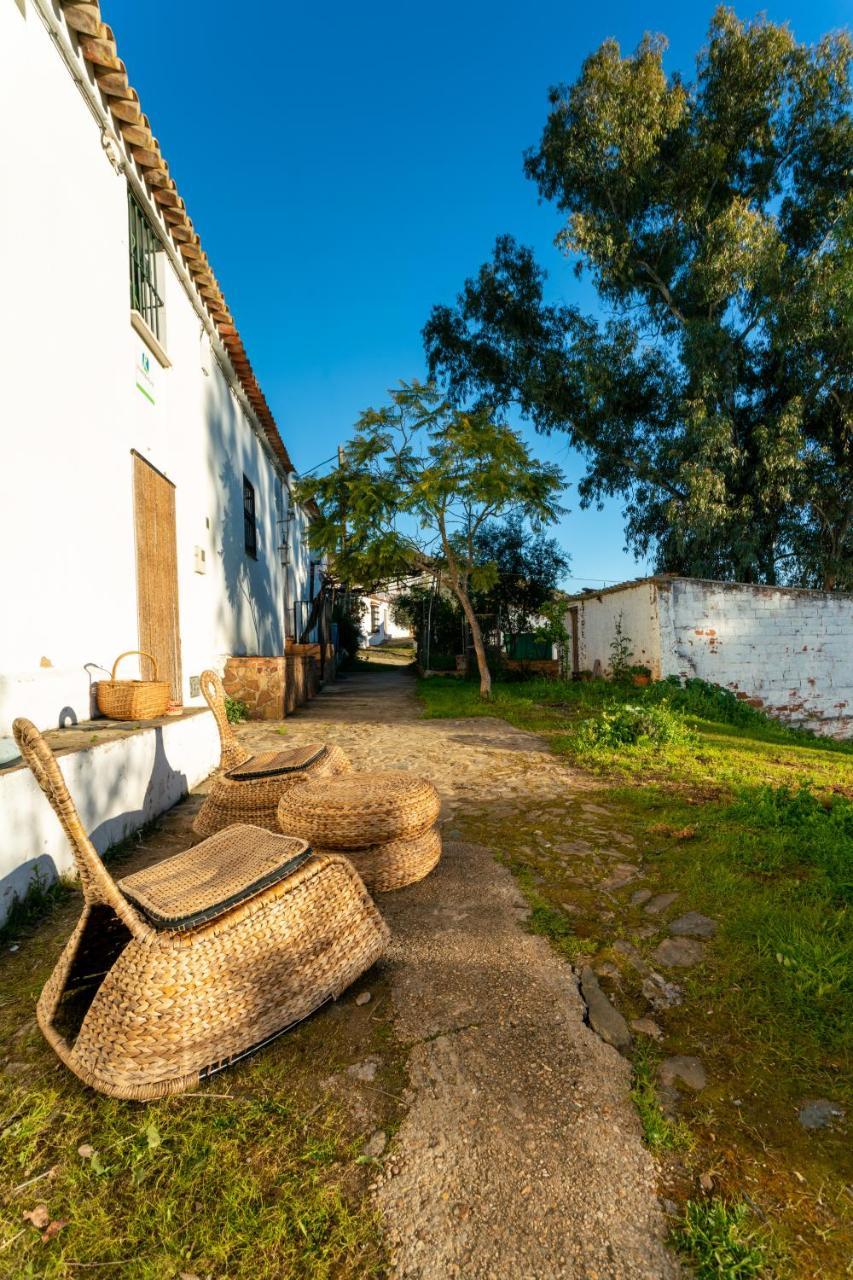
{"points": [[716, 219]]}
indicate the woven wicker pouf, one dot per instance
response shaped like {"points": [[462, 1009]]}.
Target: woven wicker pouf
{"points": [[359, 810], [385, 867], [250, 792]]}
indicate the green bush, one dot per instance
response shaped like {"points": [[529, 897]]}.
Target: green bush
{"points": [[236, 711], [723, 1241], [633, 724]]}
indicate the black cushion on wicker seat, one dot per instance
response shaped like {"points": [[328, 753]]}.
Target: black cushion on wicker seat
{"points": [[213, 877], [271, 764]]}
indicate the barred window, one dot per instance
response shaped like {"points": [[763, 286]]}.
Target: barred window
{"points": [[145, 249], [250, 528]]}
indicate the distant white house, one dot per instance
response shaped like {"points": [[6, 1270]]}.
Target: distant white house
{"points": [[146, 490], [781, 648], [146, 498], [377, 618]]}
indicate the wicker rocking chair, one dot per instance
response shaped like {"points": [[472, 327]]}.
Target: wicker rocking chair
{"points": [[178, 970], [249, 787]]}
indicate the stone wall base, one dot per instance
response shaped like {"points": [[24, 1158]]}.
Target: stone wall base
{"points": [[259, 682]]}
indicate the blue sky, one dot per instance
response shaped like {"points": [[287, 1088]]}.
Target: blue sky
{"points": [[348, 165]]}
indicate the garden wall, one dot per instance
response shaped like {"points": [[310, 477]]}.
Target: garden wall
{"points": [[783, 649]]}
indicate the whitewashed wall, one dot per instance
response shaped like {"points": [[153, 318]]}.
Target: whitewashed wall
{"points": [[788, 651], [597, 618], [71, 413], [388, 629], [117, 787]]}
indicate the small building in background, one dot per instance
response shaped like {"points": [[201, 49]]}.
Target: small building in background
{"points": [[378, 624], [783, 649]]}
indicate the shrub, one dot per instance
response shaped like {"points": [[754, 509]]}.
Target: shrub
{"points": [[632, 724], [723, 1241], [236, 711]]}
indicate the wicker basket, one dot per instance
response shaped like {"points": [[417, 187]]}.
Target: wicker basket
{"points": [[358, 810], [133, 699], [385, 867]]}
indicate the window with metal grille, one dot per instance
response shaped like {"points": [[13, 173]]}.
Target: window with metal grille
{"points": [[144, 251], [250, 528], [374, 618]]}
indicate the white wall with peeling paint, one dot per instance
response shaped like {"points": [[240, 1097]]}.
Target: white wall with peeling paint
{"points": [[788, 651]]}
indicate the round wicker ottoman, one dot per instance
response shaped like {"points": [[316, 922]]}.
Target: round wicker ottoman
{"points": [[385, 867], [359, 810], [250, 792]]}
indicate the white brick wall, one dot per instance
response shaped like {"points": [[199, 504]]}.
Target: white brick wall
{"points": [[788, 651]]}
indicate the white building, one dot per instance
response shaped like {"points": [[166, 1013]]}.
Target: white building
{"points": [[377, 618], [784, 649], [144, 485], [145, 490]]}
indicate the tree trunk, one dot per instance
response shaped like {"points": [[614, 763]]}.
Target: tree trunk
{"points": [[479, 647]]}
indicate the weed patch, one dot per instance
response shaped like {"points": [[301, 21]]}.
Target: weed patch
{"points": [[660, 1133], [724, 1242]]}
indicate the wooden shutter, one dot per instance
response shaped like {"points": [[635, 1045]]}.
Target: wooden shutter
{"points": [[157, 572]]}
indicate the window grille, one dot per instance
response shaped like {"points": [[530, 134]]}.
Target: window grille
{"points": [[250, 528], [144, 249]]}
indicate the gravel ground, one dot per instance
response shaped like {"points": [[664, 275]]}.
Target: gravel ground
{"points": [[520, 1156]]}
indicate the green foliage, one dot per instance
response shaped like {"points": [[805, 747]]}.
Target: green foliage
{"points": [[528, 568], [621, 652], [41, 897], [630, 724], [723, 1241], [659, 1132], [545, 919], [347, 613], [236, 711], [436, 621], [716, 219], [418, 483]]}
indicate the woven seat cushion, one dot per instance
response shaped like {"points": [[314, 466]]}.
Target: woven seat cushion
{"points": [[357, 810], [206, 881], [270, 764]]}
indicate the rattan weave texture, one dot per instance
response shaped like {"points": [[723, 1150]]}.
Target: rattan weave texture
{"points": [[358, 810], [254, 798], [385, 867], [133, 699], [138, 1012], [209, 879], [269, 764]]}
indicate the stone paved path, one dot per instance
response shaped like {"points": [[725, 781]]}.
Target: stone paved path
{"points": [[520, 1155]]}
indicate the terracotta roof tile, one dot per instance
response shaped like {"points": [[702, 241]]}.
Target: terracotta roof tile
{"points": [[97, 45]]}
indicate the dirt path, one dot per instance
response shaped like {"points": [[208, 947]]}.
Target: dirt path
{"points": [[520, 1154]]}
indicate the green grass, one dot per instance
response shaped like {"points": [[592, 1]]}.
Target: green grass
{"points": [[37, 903], [750, 823], [545, 919], [660, 1133], [724, 1242], [245, 1186]]}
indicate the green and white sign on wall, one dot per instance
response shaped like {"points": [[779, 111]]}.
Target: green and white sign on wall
{"points": [[144, 380]]}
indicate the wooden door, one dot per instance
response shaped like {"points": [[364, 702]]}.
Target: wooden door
{"points": [[157, 572]]}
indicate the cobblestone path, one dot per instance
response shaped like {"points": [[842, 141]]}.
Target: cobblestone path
{"points": [[519, 1155]]}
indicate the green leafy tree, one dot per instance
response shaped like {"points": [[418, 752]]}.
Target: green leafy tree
{"points": [[716, 219], [413, 489], [528, 568]]}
